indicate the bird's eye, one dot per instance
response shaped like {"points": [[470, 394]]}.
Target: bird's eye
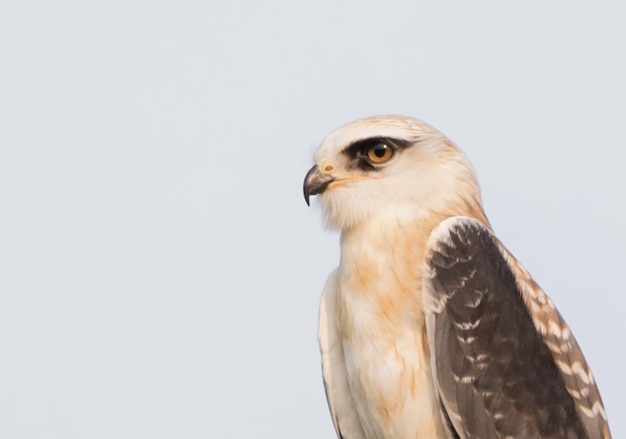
{"points": [[379, 153]]}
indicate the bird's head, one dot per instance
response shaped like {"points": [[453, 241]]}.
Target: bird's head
{"points": [[390, 165]]}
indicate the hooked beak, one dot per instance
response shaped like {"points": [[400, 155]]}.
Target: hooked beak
{"points": [[315, 182]]}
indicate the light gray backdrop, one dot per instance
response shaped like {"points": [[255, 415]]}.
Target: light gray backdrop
{"points": [[159, 270]]}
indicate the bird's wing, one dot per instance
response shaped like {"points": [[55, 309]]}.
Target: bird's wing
{"points": [[338, 394], [505, 363]]}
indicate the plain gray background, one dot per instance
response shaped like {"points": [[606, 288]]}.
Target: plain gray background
{"points": [[159, 270]]}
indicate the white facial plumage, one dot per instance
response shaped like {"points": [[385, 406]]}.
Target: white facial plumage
{"points": [[425, 174]]}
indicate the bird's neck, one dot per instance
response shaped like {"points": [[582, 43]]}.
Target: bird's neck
{"points": [[386, 252], [408, 223], [382, 257]]}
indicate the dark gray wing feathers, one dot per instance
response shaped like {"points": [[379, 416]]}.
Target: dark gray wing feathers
{"points": [[495, 374]]}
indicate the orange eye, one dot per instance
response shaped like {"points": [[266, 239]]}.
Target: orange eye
{"points": [[379, 153]]}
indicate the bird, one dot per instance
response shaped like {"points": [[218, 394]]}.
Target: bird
{"points": [[429, 327]]}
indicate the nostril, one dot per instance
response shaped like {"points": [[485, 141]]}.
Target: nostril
{"points": [[328, 168]]}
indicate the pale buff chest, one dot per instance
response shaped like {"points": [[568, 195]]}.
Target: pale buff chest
{"points": [[381, 325]]}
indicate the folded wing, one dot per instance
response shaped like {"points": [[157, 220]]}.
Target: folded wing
{"points": [[504, 361], [340, 403]]}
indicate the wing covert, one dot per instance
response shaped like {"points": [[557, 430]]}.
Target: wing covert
{"points": [[504, 361]]}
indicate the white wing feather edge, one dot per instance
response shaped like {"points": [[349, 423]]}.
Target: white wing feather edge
{"points": [[342, 410]]}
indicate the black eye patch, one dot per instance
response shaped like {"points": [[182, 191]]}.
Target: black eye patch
{"points": [[357, 151], [359, 148]]}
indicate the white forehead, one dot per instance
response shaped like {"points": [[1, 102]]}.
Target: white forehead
{"points": [[398, 127]]}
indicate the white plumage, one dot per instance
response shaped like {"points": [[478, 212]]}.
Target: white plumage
{"points": [[429, 327]]}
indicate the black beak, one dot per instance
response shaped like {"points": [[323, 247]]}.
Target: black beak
{"points": [[315, 183]]}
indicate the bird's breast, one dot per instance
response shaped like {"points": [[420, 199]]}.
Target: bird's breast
{"points": [[381, 323]]}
